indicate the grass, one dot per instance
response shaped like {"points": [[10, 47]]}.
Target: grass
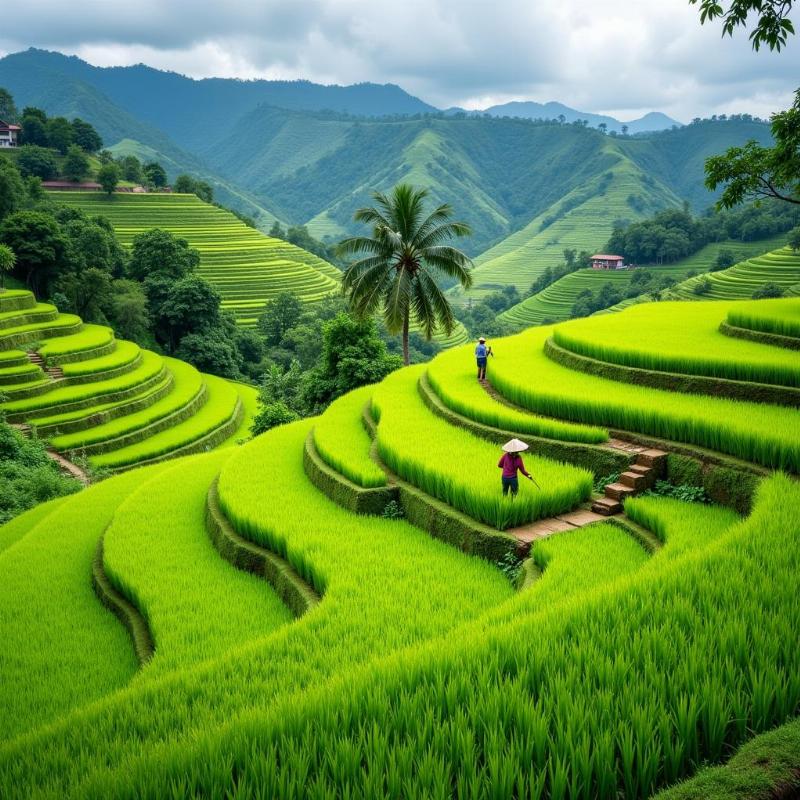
{"points": [[342, 440], [247, 267], [48, 605], [460, 469], [453, 378], [680, 337], [15, 529], [780, 317], [158, 554], [764, 434]]}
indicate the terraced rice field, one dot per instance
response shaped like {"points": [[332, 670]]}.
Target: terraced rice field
{"points": [[582, 220], [107, 401], [247, 267], [779, 317], [555, 302], [781, 267], [287, 647]]}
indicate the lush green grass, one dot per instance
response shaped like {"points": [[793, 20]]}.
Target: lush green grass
{"points": [[18, 527], [342, 440], [781, 267], [159, 555], [41, 312], [454, 379], [61, 648], [681, 337], [781, 317], [461, 469], [247, 267], [765, 434]]}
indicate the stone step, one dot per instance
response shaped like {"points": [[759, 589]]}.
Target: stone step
{"points": [[606, 506], [636, 481], [35, 358], [657, 459], [56, 373], [618, 491], [641, 469]]}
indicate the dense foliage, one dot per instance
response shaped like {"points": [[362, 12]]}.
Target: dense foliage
{"points": [[27, 474]]}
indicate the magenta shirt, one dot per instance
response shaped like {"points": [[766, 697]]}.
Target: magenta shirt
{"points": [[510, 465]]}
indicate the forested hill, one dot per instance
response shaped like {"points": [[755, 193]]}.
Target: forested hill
{"points": [[546, 185], [196, 113], [500, 174]]}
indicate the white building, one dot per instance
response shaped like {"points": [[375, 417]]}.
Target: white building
{"points": [[8, 134]]}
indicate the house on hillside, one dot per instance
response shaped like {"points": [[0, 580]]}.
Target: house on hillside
{"points": [[8, 134], [603, 261]]}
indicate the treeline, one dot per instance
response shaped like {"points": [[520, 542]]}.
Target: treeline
{"points": [[675, 233], [299, 235]]}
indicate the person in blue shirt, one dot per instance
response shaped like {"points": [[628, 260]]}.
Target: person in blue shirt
{"points": [[482, 353]]}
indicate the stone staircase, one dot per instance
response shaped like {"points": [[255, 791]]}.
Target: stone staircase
{"points": [[35, 358], [650, 465], [55, 373]]}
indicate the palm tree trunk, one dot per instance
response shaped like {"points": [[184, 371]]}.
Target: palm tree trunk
{"points": [[405, 339]]}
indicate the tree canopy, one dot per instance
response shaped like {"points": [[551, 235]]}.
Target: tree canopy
{"points": [[773, 25]]}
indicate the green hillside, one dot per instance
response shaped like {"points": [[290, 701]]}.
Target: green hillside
{"points": [[555, 302], [95, 397], [781, 267], [391, 657], [247, 267]]}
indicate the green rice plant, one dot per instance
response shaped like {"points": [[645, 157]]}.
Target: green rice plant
{"points": [[90, 337], [460, 469], [149, 368], [757, 432], [248, 397], [157, 552], [386, 584], [12, 357], [39, 313], [61, 647], [342, 440], [11, 337], [220, 409], [781, 317], [187, 390], [625, 690], [247, 267], [18, 527], [124, 354], [678, 337], [453, 378]]}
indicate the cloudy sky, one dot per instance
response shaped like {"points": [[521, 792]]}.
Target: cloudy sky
{"points": [[622, 57]]}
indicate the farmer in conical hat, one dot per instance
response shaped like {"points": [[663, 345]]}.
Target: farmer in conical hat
{"points": [[511, 462], [482, 353]]}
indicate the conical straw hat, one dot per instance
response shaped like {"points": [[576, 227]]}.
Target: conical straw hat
{"points": [[515, 446]]}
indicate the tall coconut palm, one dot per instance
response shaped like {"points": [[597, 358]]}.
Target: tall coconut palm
{"points": [[407, 250]]}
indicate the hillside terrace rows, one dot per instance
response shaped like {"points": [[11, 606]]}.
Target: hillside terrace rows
{"points": [[109, 402]]}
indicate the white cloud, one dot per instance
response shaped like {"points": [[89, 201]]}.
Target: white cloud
{"points": [[606, 55]]}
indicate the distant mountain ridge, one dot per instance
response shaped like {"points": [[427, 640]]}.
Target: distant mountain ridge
{"points": [[529, 109]]}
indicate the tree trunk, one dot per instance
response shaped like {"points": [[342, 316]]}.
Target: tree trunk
{"points": [[405, 338]]}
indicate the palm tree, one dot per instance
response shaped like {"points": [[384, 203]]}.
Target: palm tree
{"points": [[8, 259], [406, 251]]}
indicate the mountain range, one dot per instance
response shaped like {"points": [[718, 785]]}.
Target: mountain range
{"points": [[309, 154]]}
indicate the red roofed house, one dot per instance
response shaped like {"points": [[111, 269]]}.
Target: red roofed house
{"points": [[8, 134], [603, 261]]}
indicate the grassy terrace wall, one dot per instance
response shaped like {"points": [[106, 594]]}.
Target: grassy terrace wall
{"points": [[247, 267]]}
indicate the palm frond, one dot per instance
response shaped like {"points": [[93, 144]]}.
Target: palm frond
{"points": [[451, 262], [397, 300], [443, 233], [439, 215], [359, 244], [435, 299]]}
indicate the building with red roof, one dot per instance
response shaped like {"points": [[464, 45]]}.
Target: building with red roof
{"points": [[604, 261], [8, 134]]}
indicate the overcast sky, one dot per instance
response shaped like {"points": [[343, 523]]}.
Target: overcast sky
{"points": [[622, 57]]}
